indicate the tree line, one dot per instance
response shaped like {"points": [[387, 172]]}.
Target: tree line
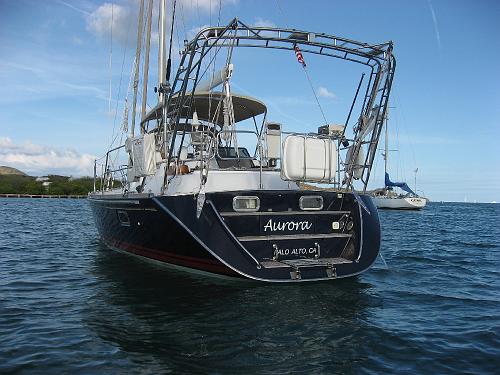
{"points": [[59, 185]]}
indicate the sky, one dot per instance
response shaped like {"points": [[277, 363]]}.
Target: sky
{"points": [[60, 60]]}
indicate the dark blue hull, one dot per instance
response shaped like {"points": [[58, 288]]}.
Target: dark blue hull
{"points": [[279, 243]]}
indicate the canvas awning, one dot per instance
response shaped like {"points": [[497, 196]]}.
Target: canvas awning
{"points": [[206, 104]]}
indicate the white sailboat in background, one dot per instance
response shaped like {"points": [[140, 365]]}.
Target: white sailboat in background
{"points": [[387, 197]]}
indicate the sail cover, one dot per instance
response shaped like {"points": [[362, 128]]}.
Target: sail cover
{"points": [[402, 185]]}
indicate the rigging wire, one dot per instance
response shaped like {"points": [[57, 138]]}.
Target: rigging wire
{"points": [[113, 136], [140, 34], [305, 69], [220, 8], [110, 58], [197, 10], [399, 166], [119, 90], [134, 63], [181, 11], [401, 113], [280, 10], [214, 58], [315, 96], [146, 62]]}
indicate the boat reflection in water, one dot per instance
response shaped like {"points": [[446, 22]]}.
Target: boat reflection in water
{"points": [[180, 322]]}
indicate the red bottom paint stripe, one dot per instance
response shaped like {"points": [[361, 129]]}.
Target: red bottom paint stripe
{"points": [[207, 265]]}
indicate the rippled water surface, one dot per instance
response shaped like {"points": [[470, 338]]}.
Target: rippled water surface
{"points": [[68, 304]]}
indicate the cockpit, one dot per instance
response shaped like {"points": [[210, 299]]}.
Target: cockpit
{"points": [[207, 131]]}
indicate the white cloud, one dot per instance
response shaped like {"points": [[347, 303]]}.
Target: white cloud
{"points": [[77, 41], [205, 5], [124, 22], [124, 17], [325, 93], [195, 30], [40, 160], [260, 22]]}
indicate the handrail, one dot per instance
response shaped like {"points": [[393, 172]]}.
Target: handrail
{"points": [[378, 57], [107, 174], [319, 42]]}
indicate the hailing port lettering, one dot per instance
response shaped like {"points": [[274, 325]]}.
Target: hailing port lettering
{"points": [[287, 225], [300, 251]]}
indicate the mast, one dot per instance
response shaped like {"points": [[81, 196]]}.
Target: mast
{"points": [[162, 27], [146, 61], [137, 63], [386, 152], [416, 170]]}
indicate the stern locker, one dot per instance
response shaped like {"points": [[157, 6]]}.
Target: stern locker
{"points": [[309, 158]]}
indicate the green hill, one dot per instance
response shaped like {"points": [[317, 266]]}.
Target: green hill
{"points": [[4, 170]]}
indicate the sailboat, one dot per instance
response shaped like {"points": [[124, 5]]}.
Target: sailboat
{"points": [[193, 196], [387, 197]]}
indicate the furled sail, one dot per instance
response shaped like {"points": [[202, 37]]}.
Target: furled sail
{"points": [[368, 122]]}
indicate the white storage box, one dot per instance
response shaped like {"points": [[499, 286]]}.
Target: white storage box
{"points": [[273, 140], [307, 158], [142, 153]]}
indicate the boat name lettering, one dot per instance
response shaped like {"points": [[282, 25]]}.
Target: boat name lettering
{"points": [[273, 226]]}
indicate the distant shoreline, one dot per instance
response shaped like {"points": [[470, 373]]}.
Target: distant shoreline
{"points": [[42, 196]]}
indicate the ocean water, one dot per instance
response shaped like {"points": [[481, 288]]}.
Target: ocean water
{"points": [[70, 305]]}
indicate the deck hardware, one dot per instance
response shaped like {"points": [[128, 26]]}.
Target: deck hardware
{"points": [[331, 271], [319, 250], [295, 274], [350, 225], [335, 225], [275, 254]]}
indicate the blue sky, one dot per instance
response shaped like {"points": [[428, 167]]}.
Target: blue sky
{"points": [[55, 74]]}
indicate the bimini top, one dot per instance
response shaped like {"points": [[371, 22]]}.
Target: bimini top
{"points": [[208, 106]]}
